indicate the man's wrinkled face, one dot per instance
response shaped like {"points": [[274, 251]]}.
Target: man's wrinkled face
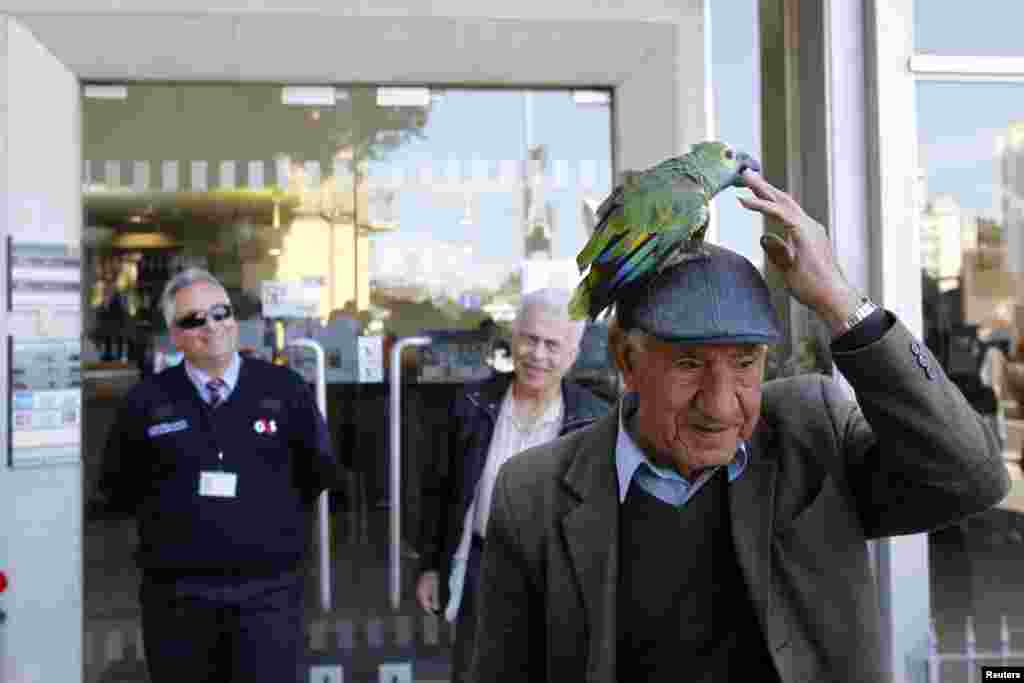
{"points": [[544, 347], [215, 341], [695, 402]]}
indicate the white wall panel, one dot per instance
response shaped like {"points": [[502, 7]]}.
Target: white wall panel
{"points": [[40, 509]]}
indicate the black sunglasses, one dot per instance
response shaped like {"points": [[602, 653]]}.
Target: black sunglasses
{"points": [[197, 319]]}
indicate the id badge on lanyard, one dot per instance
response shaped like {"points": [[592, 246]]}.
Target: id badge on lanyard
{"points": [[218, 484]]}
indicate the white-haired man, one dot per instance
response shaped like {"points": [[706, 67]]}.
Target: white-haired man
{"points": [[491, 422]]}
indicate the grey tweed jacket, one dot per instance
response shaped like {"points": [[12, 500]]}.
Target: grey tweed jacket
{"points": [[826, 474]]}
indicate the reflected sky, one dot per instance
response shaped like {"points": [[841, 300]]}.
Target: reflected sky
{"points": [[957, 126], [735, 82], [958, 122], [984, 27], [470, 128]]}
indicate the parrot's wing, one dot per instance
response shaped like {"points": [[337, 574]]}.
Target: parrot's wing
{"points": [[641, 224], [609, 226], [634, 256]]}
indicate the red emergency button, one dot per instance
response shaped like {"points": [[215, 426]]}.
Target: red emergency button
{"points": [[3, 582]]}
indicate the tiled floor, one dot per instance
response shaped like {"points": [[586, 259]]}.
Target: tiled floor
{"points": [[362, 625]]}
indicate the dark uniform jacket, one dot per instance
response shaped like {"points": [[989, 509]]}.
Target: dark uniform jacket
{"points": [[824, 476], [273, 438], [448, 489]]}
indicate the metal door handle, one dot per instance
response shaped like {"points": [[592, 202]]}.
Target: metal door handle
{"points": [[395, 549], [323, 502]]}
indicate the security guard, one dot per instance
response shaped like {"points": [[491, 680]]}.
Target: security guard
{"points": [[220, 459]]}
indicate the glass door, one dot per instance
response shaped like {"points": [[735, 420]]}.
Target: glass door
{"points": [[351, 216]]}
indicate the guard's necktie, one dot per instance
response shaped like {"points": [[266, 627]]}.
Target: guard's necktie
{"points": [[216, 388]]}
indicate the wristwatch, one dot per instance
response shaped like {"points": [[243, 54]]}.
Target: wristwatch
{"points": [[865, 309]]}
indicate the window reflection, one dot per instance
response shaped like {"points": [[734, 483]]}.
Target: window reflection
{"points": [[971, 141], [352, 215], [396, 209]]}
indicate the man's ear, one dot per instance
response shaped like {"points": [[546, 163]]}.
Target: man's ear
{"points": [[619, 350]]}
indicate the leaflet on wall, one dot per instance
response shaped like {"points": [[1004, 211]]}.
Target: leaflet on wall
{"points": [[371, 359], [46, 402], [42, 275]]}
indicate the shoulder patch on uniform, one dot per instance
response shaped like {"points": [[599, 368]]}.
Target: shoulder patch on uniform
{"points": [[271, 404], [167, 428]]}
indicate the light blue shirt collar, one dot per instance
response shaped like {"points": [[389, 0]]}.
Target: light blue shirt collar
{"points": [[200, 378], [629, 458]]}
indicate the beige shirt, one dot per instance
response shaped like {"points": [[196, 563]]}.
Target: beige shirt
{"points": [[508, 439]]}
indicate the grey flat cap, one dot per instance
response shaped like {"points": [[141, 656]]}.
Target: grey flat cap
{"points": [[714, 296]]}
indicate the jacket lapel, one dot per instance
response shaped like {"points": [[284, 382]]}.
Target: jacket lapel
{"points": [[591, 531], [751, 503]]}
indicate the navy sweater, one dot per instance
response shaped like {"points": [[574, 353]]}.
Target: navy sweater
{"points": [[684, 610], [273, 438]]}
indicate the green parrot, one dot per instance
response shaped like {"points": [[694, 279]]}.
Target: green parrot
{"points": [[652, 221]]}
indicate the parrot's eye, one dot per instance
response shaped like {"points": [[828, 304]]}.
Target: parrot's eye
{"points": [[729, 154]]}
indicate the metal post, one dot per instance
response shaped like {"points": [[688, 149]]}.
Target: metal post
{"points": [[972, 649], [1004, 640], [395, 550], [323, 502]]}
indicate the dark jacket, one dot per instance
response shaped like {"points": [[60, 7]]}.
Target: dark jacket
{"points": [[273, 438], [825, 475], [448, 489]]}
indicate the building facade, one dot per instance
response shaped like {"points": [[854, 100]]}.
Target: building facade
{"points": [[837, 111]]}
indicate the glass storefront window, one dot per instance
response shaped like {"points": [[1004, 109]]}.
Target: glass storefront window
{"points": [[347, 214], [971, 190], [459, 199]]}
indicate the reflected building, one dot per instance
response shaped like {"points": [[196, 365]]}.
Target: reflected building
{"points": [[538, 213], [329, 236], [1008, 197], [944, 228]]}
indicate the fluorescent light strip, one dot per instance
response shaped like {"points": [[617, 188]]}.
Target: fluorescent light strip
{"points": [[403, 97], [309, 95], [106, 92]]}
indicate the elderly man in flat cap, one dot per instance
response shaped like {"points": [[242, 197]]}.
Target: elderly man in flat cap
{"points": [[714, 528]]}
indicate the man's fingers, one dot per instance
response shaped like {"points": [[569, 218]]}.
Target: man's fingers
{"points": [[765, 190], [779, 251], [761, 205], [758, 185]]}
